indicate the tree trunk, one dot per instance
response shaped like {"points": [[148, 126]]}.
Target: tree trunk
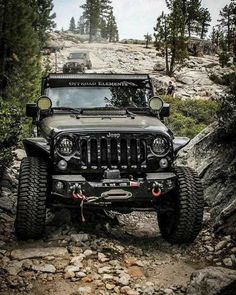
{"points": [[202, 32], [173, 57], [166, 50]]}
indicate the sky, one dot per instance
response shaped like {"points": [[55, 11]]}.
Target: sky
{"points": [[134, 17]]}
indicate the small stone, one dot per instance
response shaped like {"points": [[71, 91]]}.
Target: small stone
{"points": [[72, 268], [233, 250], [102, 258], [49, 278], [88, 253], [80, 274], [168, 291], [135, 271], [221, 245], [132, 292], [228, 262], [124, 280], [110, 286], [48, 268], [107, 277], [19, 154], [209, 248], [125, 289], [130, 261], [69, 275], [79, 238], [14, 267], [105, 269], [87, 279], [84, 291], [233, 258], [77, 259]]}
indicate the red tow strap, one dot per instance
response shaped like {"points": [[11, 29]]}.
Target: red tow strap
{"points": [[80, 197]]}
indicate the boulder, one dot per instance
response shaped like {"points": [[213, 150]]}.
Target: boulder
{"points": [[21, 254], [159, 66], [20, 154], [206, 154], [212, 281]]}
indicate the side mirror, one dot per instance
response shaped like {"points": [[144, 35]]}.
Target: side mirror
{"points": [[31, 110], [165, 111]]}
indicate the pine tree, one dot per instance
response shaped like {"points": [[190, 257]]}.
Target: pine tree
{"points": [[81, 25], [99, 16], [169, 34], [112, 30], [193, 11], [72, 26], [20, 58], [44, 17], [92, 11], [148, 39], [227, 22], [204, 20]]}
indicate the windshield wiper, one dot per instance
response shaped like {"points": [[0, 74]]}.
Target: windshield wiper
{"points": [[67, 109]]}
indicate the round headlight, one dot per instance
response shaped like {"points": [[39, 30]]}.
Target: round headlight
{"points": [[65, 146], [44, 103], [160, 146]]}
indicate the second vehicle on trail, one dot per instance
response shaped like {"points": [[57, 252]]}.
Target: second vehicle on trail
{"points": [[77, 62], [100, 141]]}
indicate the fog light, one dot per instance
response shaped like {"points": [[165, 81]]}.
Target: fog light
{"points": [[163, 163], [62, 165], [59, 186]]}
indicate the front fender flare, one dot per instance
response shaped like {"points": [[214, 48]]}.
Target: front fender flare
{"points": [[179, 143], [37, 147]]}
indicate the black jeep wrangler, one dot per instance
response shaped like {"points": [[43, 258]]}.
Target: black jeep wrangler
{"points": [[100, 141]]}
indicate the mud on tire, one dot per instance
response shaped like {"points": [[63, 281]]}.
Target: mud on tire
{"points": [[183, 222], [32, 198]]}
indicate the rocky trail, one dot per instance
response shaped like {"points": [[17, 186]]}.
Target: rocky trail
{"points": [[113, 253], [191, 80]]}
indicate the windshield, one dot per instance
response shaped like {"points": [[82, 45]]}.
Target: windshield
{"points": [[97, 97], [77, 55]]}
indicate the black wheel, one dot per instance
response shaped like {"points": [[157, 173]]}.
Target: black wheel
{"points": [[182, 221], [32, 198]]}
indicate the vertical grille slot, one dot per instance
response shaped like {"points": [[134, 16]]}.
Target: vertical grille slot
{"points": [[123, 148], [94, 152], [84, 152], [114, 152], [133, 152], [143, 151], [104, 157]]}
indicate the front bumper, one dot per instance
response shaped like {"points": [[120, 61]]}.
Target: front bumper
{"points": [[113, 190]]}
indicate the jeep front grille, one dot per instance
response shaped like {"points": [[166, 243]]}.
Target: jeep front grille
{"points": [[102, 152]]}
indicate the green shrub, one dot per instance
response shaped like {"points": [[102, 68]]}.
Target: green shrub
{"points": [[191, 116], [10, 121]]}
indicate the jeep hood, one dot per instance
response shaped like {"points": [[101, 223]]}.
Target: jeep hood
{"points": [[67, 122]]}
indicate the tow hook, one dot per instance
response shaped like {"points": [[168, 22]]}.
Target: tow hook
{"points": [[77, 195], [156, 190]]}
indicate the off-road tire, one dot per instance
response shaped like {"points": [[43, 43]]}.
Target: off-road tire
{"points": [[32, 199], [183, 222]]}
